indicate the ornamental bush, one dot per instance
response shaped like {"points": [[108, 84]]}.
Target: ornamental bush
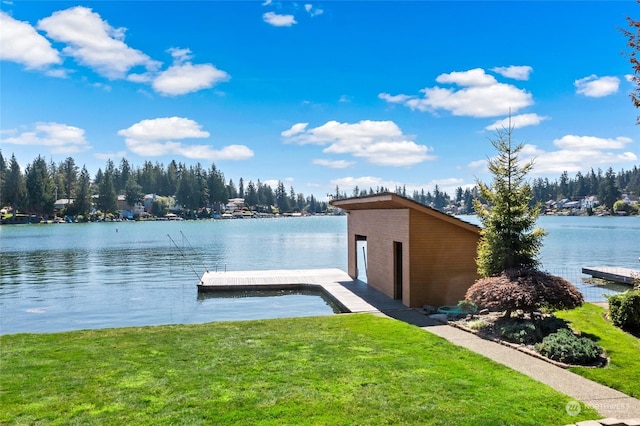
{"points": [[624, 311], [524, 289], [564, 346]]}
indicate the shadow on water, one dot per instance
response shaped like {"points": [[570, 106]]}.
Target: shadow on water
{"points": [[303, 297]]}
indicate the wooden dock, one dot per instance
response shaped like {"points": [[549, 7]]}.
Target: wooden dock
{"points": [[612, 273], [329, 281]]}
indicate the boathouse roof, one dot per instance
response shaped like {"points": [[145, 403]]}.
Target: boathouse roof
{"points": [[390, 200]]}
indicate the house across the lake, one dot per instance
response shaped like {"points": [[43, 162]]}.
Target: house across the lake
{"points": [[413, 252]]}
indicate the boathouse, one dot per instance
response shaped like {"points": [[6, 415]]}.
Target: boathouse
{"points": [[413, 252]]}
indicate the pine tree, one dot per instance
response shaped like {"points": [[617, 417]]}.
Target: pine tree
{"points": [[14, 191], [40, 187], [508, 240]]}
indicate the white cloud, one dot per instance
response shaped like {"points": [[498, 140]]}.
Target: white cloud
{"points": [[276, 20], [156, 137], [93, 42], [591, 142], [481, 95], [333, 164], [21, 43], [575, 153], [628, 77], [313, 12], [379, 142], [185, 78], [597, 87], [344, 99], [520, 72], [59, 138], [474, 77], [517, 121], [294, 130], [394, 99]]}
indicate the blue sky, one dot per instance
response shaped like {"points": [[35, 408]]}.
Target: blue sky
{"points": [[319, 94]]}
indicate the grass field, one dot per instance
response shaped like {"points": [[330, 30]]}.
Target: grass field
{"points": [[342, 369], [623, 349]]}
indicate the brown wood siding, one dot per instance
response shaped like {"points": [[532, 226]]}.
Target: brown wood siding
{"points": [[381, 228], [442, 261]]}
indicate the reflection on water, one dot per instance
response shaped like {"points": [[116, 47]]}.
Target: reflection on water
{"points": [[79, 276], [260, 304]]}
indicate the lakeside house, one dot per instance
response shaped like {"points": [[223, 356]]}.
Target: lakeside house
{"points": [[414, 253]]}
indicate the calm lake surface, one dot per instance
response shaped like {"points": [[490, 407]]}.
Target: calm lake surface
{"points": [[98, 275]]}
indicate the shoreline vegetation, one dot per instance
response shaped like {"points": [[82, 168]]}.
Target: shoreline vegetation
{"points": [[343, 369], [54, 191]]}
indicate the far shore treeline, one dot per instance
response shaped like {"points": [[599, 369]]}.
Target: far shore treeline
{"points": [[200, 192]]}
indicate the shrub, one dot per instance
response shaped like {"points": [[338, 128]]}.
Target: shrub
{"points": [[564, 346], [624, 311], [527, 331], [518, 332], [467, 306], [525, 289], [477, 325]]}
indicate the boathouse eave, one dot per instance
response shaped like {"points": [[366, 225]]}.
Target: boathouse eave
{"points": [[393, 201]]}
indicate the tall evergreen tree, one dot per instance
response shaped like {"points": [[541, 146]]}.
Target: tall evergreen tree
{"points": [[133, 192], [186, 194], [40, 188], [608, 192], [69, 172], [218, 194], [14, 190], [82, 203], [507, 239], [251, 196], [107, 197], [3, 174]]}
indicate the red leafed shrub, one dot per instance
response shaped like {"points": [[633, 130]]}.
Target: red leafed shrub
{"points": [[524, 289]]}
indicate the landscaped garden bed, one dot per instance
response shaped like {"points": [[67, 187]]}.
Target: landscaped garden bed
{"points": [[543, 336]]}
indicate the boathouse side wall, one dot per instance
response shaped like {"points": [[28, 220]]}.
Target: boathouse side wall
{"points": [[442, 262]]}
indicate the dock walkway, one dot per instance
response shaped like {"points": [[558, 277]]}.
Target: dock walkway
{"points": [[357, 296], [611, 273]]}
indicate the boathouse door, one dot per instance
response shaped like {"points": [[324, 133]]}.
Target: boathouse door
{"points": [[361, 258], [397, 268]]}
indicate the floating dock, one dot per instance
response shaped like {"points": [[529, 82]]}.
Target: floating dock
{"points": [[612, 273], [332, 282]]}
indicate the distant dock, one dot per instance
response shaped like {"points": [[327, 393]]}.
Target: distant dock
{"points": [[611, 273]]}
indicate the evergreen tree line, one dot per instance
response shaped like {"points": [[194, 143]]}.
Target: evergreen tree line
{"points": [[35, 190]]}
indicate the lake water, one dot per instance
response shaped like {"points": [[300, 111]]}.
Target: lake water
{"points": [[97, 275]]}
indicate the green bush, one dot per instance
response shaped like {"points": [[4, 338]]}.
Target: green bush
{"points": [[564, 346], [528, 331], [624, 311], [518, 332]]}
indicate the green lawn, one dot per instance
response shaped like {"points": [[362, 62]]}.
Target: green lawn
{"points": [[342, 369], [623, 349]]}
